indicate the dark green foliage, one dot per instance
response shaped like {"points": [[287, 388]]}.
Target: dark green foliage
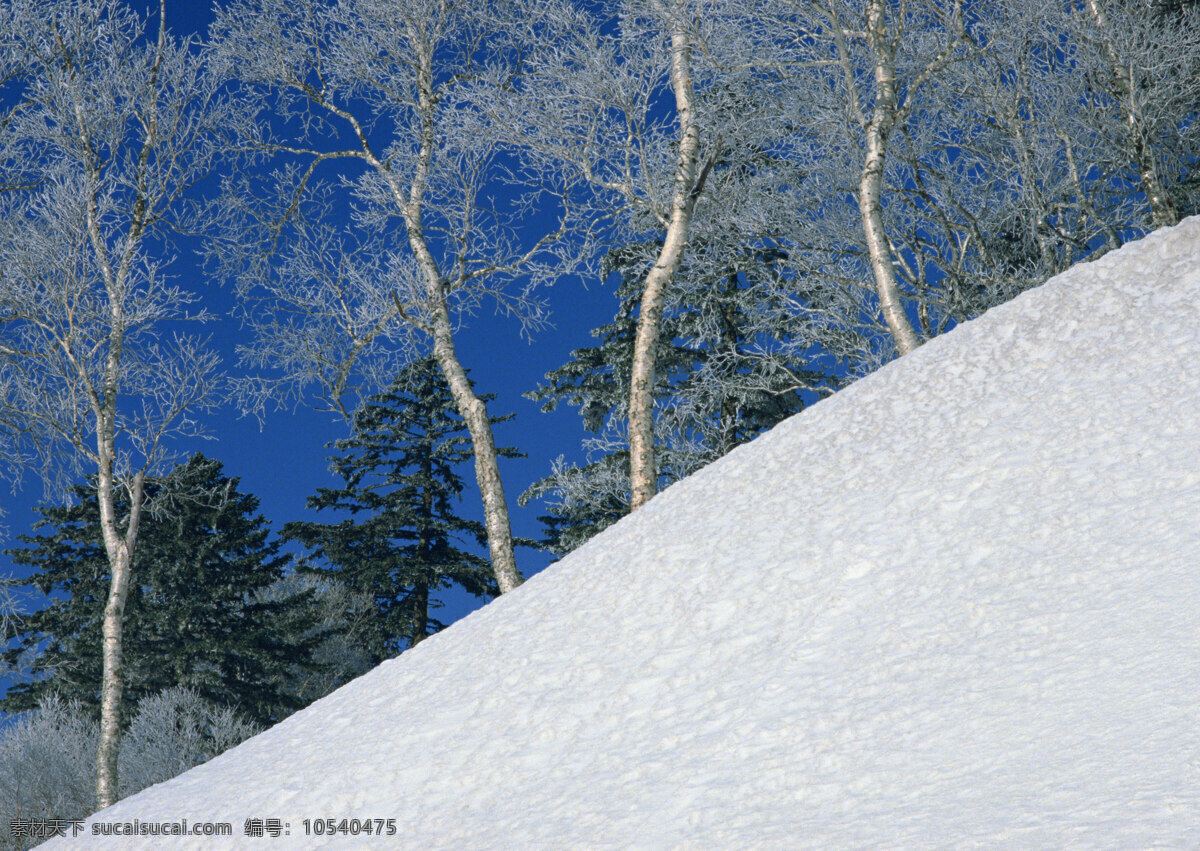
{"points": [[401, 543], [194, 617], [722, 378]]}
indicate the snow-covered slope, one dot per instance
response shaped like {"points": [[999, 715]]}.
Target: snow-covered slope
{"points": [[956, 604]]}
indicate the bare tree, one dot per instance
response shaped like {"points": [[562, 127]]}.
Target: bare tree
{"points": [[1144, 71], [866, 69], [387, 219], [650, 104], [974, 169], [1042, 165], [1047, 202], [111, 132]]}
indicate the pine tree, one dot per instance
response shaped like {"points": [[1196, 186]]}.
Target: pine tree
{"points": [[401, 544], [195, 616], [722, 378]]}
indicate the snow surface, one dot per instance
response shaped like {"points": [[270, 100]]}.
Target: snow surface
{"points": [[957, 604]]}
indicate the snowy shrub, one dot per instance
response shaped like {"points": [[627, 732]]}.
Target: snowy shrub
{"points": [[46, 760], [173, 731], [47, 757]]}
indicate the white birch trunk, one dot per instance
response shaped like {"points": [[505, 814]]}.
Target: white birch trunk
{"points": [[870, 183], [120, 554], [643, 475], [118, 547], [470, 407], [410, 201], [123, 184], [487, 471]]}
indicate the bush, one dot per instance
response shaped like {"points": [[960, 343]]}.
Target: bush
{"points": [[46, 760], [173, 731], [47, 756]]}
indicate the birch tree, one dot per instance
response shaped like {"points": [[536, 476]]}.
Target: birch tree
{"points": [[1124, 85], [393, 212], [1049, 201], [976, 172], [110, 132], [725, 372], [1144, 74], [866, 67], [1048, 169], [644, 102]]}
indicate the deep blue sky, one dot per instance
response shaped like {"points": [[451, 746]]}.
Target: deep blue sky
{"points": [[284, 459]]}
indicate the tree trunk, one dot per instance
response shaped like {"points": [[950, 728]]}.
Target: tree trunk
{"points": [[870, 184], [421, 592], [120, 555], [470, 407], [643, 475], [421, 613], [1163, 211], [487, 471]]}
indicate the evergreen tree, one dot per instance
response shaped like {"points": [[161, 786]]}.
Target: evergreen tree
{"points": [[401, 543], [195, 616], [723, 377], [343, 620]]}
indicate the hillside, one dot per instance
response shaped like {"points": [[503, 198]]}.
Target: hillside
{"points": [[958, 603]]}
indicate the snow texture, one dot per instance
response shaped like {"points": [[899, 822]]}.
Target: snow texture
{"points": [[957, 604]]}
